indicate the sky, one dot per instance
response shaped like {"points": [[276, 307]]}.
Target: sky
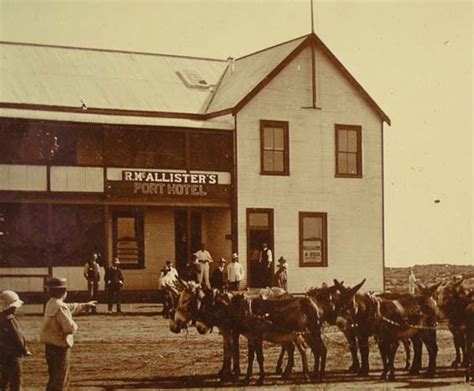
{"points": [[415, 58]]}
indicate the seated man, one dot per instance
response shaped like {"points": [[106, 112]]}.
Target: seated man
{"points": [[168, 279]]}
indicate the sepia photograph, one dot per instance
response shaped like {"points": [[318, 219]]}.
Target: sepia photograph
{"points": [[236, 194]]}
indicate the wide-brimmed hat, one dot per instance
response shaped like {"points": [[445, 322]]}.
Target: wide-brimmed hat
{"points": [[235, 256], [56, 283], [116, 261], [222, 260], [281, 260], [9, 299]]}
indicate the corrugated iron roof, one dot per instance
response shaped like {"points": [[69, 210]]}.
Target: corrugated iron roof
{"points": [[248, 72], [69, 77], [112, 81]]}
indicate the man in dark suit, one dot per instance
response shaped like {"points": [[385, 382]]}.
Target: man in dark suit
{"points": [[113, 285], [218, 280]]}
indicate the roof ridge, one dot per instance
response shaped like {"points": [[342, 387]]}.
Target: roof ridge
{"points": [[108, 50], [274, 46]]}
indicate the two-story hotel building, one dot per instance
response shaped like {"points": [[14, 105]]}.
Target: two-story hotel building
{"points": [[144, 156]]}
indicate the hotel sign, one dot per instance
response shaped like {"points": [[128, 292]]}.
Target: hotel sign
{"points": [[152, 184]]}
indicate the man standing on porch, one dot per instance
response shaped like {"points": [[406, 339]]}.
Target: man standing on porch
{"points": [[266, 266], [204, 258]]}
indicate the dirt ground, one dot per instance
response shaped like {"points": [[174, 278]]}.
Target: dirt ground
{"points": [[137, 351]]}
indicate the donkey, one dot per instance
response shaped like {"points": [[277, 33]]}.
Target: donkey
{"points": [[413, 317], [469, 339], [452, 300]]}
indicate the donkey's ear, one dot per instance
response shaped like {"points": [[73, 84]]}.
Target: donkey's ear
{"points": [[339, 285], [457, 283], [420, 285], [354, 289], [182, 282], [433, 288]]}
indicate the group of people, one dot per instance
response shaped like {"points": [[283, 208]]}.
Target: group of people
{"points": [[113, 278], [56, 333]]}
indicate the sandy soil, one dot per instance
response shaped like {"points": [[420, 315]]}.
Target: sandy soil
{"points": [[137, 351]]}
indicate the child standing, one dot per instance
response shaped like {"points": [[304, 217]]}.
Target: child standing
{"points": [[57, 332], [12, 342], [280, 278]]}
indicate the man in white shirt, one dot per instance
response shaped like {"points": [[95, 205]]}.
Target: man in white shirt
{"points": [[204, 259], [266, 266], [235, 273]]}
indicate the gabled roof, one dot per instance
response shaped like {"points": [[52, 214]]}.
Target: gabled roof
{"points": [[58, 78]]}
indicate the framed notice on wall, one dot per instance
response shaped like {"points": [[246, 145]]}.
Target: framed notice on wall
{"points": [[313, 251]]}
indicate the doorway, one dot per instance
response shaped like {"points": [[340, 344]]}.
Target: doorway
{"points": [[187, 223], [259, 231]]}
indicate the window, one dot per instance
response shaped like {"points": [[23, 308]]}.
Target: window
{"points": [[274, 147], [313, 239], [128, 239], [348, 151]]}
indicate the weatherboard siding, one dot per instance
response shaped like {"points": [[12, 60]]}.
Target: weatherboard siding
{"points": [[353, 205]]}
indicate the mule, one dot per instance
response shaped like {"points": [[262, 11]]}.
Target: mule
{"points": [[392, 320], [469, 341]]}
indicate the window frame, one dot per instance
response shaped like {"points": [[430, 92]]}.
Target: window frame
{"points": [[138, 215], [286, 148], [358, 130], [323, 216]]}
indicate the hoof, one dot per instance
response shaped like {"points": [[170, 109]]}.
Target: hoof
{"points": [[286, 374], [316, 378], [383, 376], [246, 380], [259, 381], [391, 376], [363, 372], [278, 371], [429, 375], [414, 371], [455, 364]]}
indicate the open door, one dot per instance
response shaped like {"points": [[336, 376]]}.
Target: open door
{"points": [[259, 231]]}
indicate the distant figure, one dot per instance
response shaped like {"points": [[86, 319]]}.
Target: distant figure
{"points": [[57, 332], [266, 266], [168, 278], [12, 342], [113, 285], [204, 258], [280, 278], [218, 278], [411, 282], [92, 275], [235, 273]]}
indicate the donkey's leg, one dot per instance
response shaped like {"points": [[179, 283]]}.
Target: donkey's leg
{"points": [[406, 346], [384, 356], [391, 360], [363, 341], [319, 352], [278, 369], [429, 339], [225, 372], [304, 359], [251, 356], [290, 348], [260, 359], [416, 364], [349, 333], [457, 346], [236, 354]]}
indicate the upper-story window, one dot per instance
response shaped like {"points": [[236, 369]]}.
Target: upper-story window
{"points": [[348, 151], [274, 148]]}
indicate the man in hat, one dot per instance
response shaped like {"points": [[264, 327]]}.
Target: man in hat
{"points": [[266, 265], [280, 278], [57, 332], [92, 275], [218, 278], [113, 284], [204, 259], [12, 342], [168, 278], [235, 273]]}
